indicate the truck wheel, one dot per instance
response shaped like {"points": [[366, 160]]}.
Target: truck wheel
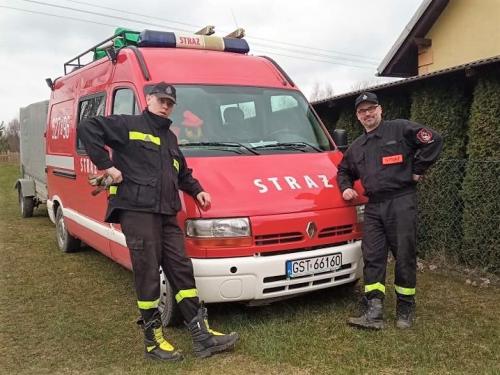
{"points": [[65, 241], [170, 313], [26, 204]]}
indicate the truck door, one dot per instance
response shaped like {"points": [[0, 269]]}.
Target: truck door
{"points": [[124, 102], [95, 232]]}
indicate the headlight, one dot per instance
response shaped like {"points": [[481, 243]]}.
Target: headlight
{"points": [[213, 228], [360, 213]]}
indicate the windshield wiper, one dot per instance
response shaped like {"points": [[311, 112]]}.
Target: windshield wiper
{"points": [[220, 144], [294, 145]]}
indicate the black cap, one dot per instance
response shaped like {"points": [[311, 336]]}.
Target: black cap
{"points": [[164, 90], [366, 97]]}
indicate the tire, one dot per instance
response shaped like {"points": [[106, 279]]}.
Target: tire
{"points": [[65, 241], [170, 313], [26, 204]]}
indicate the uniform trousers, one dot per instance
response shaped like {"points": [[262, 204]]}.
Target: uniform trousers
{"points": [[156, 240], [390, 224]]}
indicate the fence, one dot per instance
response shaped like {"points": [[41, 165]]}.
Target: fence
{"points": [[9, 157], [459, 213]]}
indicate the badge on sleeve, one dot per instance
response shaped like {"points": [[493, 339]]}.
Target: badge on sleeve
{"points": [[424, 136]]}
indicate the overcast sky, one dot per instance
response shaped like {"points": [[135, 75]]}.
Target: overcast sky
{"points": [[347, 39]]}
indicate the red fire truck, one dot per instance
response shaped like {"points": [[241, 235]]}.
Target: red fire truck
{"points": [[278, 225]]}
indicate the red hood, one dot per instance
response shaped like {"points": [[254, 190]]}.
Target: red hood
{"points": [[269, 184]]}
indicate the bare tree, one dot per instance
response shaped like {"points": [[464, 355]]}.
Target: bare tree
{"points": [[321, 91], [315, 92], [3, 138], [362, 85], [13, 134]]}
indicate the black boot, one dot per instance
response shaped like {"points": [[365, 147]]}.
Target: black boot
{"points": [[155, 345], [405, 314], [372, 318], [207, 341]]}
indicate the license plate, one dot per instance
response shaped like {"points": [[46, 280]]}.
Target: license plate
{"points": [[309, 266]]}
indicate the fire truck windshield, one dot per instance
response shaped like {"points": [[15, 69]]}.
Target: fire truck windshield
{"points": [[267, 120]]}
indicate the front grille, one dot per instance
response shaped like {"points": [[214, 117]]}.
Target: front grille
{"points": [[336, 231], [277, 238], [299, 250], [327, 277]]}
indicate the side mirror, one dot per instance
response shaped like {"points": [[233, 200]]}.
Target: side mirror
{"points": [[340, 139], [112, 54], [50, 83]]}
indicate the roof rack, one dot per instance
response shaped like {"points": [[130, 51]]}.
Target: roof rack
{"points": [[121, 38], [202, 39]]}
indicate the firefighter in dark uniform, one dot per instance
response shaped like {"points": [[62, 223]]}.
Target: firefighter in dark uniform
{"points": [[148, 169], [389, 159]]}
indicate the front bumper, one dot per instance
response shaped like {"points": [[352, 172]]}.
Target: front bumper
{"points": [[264, 277]]}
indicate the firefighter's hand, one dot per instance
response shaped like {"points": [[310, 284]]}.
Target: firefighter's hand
{"points": [[204, 200], [349, 194], [417, 177], [115, 174]]}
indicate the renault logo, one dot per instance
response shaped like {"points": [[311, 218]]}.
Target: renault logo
{"points": [[311, 229]]}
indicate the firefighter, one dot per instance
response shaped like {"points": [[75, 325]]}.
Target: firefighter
{"points": [[147, 169], [389, 159], [192, 130]]}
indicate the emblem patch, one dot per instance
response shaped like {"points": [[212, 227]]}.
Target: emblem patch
{"points": [[424, 136]]}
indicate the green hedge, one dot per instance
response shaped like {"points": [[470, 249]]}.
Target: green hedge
{"points": [[481, 188], [395, 106], [441, 105]]}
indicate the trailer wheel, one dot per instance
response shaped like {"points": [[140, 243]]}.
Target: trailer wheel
{"points": [[170, 313], [26, 204], [65, 241]]}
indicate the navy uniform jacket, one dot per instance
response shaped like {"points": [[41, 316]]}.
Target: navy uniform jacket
{"points": [[386, 158], [147, 154]]}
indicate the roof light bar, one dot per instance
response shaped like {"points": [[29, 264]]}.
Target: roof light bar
{"points": [[166, 39]]}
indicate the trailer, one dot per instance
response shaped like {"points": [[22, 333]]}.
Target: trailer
{"points": [[32, 185]]}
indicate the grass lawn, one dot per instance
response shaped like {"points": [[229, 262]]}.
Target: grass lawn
{"points": [[75, 314]]}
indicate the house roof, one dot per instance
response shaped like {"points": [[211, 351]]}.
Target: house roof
{"points": [[402, 59], [464, 67]]}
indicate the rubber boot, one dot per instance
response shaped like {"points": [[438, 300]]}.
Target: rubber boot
{"points": [[372, 318], [207, 341], [155, 345], [405, 314]]}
